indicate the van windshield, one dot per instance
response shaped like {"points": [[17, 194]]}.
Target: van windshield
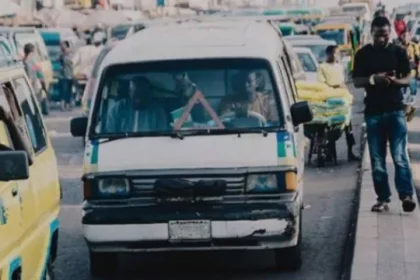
{"points": [[337, 35], [207, 95]]}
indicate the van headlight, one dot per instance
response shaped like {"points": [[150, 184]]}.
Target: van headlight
{"points": [[262, 183], [113, 187]]}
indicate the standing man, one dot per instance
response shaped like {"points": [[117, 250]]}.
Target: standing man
{"points": [[31, 70], [66, 76], [413, 53], [331, 73], [382, 68]]}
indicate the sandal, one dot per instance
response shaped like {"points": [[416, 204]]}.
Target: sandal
{"points": [[411, 114], [380, 207]]}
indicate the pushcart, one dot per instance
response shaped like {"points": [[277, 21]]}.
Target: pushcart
{"points": [[323, 138]]}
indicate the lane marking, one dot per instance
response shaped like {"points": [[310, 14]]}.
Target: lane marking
{"points": [[57, 119], [71, 206], [56, 134]]}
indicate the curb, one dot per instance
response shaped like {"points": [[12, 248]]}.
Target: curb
{"points": [[349, 247], [357, 266]]}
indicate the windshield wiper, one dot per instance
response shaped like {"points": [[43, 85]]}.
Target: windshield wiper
{"points": [[261, 130]]}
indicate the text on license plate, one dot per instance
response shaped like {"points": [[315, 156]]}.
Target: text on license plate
{"points": [[189, 230]]}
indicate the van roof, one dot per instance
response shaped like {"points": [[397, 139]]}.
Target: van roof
{"points": [[18, 29], [226, 39]]}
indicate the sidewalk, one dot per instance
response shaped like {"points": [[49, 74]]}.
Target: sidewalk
{"points": [[387, 245]]}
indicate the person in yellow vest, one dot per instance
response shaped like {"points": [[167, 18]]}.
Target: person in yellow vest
{"points": [[331, 73], [413, 53]]}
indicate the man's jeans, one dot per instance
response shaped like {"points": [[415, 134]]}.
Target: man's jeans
{"points": [[381, 128], [413, 86]]}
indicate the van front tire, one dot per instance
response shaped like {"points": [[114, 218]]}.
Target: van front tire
{"points": [[102, 264], [290, 259]]}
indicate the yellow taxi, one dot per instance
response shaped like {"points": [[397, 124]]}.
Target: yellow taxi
{"points": [[29, 182]]}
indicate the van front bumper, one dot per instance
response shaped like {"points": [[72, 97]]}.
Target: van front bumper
{"points": [[231, 228]]}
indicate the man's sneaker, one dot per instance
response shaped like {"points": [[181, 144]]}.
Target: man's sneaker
{"points": [[380, 207], [408, 204]]}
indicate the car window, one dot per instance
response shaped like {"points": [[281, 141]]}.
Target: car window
{"points": [[307, 62], [289, 80], [31, 114], [4, 133], [120, 31], [336, 35], [193, 95], [317, 50]]}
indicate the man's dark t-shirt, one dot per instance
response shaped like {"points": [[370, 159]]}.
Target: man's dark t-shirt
{"points": [[369, 61]]}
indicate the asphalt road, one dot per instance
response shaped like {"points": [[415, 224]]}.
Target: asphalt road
{"points": [[329, 194]]}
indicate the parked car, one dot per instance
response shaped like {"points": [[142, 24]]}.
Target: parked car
{"points": [[308, 61]]}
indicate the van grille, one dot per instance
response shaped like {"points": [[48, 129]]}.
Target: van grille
{"points": [[143, 188]]}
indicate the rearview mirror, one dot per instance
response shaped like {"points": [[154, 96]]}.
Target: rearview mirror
{"points": [[13, 166], [301, 113], [78, 126]]}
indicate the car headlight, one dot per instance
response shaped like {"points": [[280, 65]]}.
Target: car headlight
{"points": [[262, 183], [113, 187]]}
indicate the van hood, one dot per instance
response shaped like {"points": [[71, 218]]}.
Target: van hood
{"points": [[221, 151]]}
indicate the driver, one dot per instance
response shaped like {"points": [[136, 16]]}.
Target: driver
{"points": [[248, 97], [139, 112]]}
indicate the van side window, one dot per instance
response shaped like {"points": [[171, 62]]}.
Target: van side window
{"points": [[5, 139], [290, 80], [32, 116]]}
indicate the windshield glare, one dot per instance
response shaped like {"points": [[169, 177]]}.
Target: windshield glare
{"points": [[307, 62], [162, 97], [336, 35]]}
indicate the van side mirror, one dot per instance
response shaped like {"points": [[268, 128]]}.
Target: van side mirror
{"points": [[301, 113], [13, 165], [78, 126]]}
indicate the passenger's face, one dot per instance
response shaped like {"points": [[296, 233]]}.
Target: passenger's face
{"points": [[381, 36], [251, 83]]}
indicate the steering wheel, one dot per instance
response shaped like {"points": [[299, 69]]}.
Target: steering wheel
{"points": [[251, 114]]}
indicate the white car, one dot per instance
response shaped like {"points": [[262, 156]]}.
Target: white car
{"points": [[317, 46], [308, 61]]}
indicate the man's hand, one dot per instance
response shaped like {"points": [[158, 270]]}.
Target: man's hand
{"points": [[399, 82], [382, 79]]}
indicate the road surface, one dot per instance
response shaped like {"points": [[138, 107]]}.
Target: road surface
{"points": [[329, 194]]}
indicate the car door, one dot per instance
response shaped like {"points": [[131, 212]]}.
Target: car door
{"points": [[10, 210], [26, 192], [298, 134], [43, 175]]}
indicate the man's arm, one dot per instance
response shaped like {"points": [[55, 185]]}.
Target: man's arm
{"points": [[403, 68], [360, 77]]}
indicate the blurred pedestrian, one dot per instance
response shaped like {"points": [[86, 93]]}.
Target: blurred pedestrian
{"points": [[331, 73], [382, 69], [413, 53], [31, 70], [66, 76]]}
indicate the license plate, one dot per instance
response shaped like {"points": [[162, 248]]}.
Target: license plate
{"points": [[194, 230]]}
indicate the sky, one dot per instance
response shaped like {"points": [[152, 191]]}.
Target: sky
{"points": [[388, 3]]}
